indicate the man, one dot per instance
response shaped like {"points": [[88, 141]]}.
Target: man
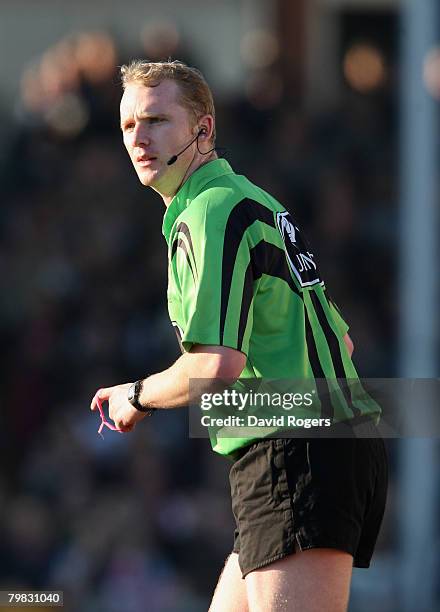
{"points": [[246, 299]]}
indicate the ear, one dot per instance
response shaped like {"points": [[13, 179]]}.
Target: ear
{"points": [[206, 123]]}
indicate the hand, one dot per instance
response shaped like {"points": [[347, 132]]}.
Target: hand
{"points": [[124, 415]]}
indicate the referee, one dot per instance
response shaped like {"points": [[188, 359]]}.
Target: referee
{"points": [[247, 300]]}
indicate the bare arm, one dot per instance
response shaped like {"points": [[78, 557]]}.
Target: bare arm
{"points": [[349, 343], [170, 388]]}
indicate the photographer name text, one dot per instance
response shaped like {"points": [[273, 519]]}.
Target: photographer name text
{"points": [[283, 420]]}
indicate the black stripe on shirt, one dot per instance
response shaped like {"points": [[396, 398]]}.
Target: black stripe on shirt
{"points": [[318, 373], [182, 227], [265, 258], [178, 242], [335, 350], [240, 219]]}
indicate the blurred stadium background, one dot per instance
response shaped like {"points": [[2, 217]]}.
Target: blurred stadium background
{"points": [[329, 104]]}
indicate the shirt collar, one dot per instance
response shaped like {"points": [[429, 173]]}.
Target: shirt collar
{"points": [[191, 188]]}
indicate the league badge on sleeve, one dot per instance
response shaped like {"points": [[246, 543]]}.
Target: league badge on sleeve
{"points": [[299, 257]]}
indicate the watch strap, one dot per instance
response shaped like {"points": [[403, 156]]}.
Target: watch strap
{"points": [[134, 393]]}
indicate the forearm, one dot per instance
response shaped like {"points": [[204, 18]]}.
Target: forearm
{"points": [[169, 388], [192, 374], [204, 369]]}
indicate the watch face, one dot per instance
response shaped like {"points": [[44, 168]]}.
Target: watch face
{"points": [[131, 392]]}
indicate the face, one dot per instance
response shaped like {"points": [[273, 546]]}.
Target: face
{"points": [[155, 127]]}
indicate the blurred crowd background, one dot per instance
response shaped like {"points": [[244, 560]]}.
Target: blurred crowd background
{"points": [[142, 522]]}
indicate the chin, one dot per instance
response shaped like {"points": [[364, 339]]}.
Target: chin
{"points": [[145, 181], [148, 179]]}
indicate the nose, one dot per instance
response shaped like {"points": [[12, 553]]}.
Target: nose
{"points": [[140, 135]]}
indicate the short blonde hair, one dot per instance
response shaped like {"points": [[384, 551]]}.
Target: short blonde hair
{"points": [[195, 94]]}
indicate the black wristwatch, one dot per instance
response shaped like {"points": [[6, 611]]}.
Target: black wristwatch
{"points": [[133, 394]]}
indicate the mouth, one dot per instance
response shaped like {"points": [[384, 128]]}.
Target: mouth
{"points": [[145, 160]]}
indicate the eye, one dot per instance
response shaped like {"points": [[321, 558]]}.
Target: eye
{"points": [[155, 119], [128, 127]]}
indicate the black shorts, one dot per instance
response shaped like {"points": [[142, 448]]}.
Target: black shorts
{"points": [[313, 493]]}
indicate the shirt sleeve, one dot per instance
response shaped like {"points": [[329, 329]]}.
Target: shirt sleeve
{"points": [[210, 264], [341, 324]]}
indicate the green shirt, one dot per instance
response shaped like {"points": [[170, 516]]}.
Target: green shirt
{"points": [[241, 275]]}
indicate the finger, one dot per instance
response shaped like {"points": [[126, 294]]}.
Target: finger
{"points": [[122, 424], [94, 404], [112, 412], [102, 394], [125, 428]]}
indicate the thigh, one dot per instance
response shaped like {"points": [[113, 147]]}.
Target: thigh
{"points": [[230, 593], [308, 581]]}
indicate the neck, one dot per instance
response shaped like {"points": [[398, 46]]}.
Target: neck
{"points": [[198, 162]]}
